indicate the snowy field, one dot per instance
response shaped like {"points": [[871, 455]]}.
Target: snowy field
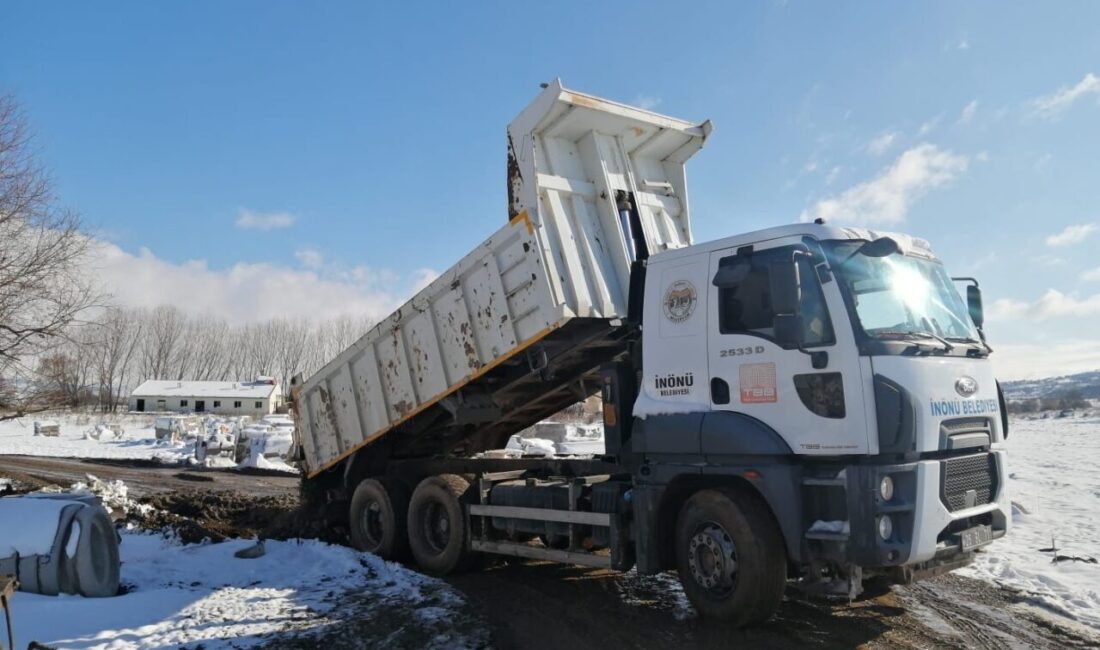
{"points": [[200, 595], [1054, 482], [138, 443], [17, 438]]}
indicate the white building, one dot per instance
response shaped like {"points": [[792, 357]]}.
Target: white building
{"points": [[256, 398]]}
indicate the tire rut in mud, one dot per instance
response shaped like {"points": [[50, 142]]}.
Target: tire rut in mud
{"points": [[541, 605], [979, 615]]}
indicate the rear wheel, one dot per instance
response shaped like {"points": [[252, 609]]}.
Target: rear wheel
{"points": [[730, 556], [437, 524], [377, 518]]}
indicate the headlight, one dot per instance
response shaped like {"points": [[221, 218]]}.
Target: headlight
{"points": [[886, 488], [885, 527]]}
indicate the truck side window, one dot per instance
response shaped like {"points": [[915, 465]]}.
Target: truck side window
{"points": [[746, 308]]}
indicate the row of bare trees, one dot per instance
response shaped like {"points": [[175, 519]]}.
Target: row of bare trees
{"points": [[100, 362]]}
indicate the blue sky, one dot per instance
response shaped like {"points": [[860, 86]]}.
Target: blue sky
{"points": [[370, 140]]}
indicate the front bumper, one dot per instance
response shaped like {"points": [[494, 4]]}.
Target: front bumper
{"points": [[938, 530], [933, 506]]}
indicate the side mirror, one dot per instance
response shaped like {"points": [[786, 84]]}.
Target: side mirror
{"points": [[974, 305], [785, 286], [788, 331]]}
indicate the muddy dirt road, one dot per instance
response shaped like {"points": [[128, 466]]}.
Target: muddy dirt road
{"points": [[550, 606], [540, 605], [145, 478]]}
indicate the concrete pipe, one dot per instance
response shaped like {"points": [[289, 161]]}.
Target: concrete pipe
{"points": [[59, 544]]}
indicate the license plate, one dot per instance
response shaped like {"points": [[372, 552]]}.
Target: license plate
{"points": [[976, 536]]}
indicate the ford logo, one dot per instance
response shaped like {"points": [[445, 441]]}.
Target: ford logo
{"points": [[966, 386]]}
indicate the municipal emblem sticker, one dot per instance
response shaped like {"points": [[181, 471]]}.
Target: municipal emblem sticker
{"points": [[680, 301]]}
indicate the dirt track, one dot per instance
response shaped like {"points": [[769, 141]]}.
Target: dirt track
{"points": [[145, 478], [541, 605]]}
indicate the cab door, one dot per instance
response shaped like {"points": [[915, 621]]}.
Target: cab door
{"points": [[812, 397]]}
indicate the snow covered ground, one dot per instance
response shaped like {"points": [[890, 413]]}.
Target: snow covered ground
{"points": [[139, 443], [17, 437], [200, 594], [1054, 480]]}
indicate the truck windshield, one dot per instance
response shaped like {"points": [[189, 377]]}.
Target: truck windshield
{"points": [[900, 296]]}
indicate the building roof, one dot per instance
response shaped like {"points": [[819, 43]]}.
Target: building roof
{"points": [[205, 389]]}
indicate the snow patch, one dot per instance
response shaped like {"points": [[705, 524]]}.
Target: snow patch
{"points": [[201, 594], [1055, 488], [835, 527], [29, 525]]}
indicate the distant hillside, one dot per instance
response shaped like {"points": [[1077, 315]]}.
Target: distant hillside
{"points": [[1086, 384]]}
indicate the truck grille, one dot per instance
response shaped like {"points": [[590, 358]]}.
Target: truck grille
{"points": [[965, 474]]}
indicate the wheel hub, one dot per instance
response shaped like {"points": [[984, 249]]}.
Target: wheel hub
{"points": [[712, 558], [438, 527], [372, 523]]}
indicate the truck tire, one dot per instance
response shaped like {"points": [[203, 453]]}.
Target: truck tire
{"points": [[437, 524], [730, 556], [377, 518]]}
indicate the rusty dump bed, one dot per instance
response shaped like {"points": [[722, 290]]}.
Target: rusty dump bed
{"points": [[516, 330]]}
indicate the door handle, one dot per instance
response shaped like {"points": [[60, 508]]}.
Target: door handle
{"points": [[719, 391]]}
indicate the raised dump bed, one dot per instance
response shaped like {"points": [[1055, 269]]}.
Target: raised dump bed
{"points": [[517, 328]]}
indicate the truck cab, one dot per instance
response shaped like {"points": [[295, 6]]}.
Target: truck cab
{"points": [[837, 376]]}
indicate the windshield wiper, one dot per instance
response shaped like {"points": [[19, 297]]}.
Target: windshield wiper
{"points": [[967, 339], [947, 345]]}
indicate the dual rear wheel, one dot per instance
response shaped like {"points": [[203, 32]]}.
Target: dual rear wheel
{"points": [[429, 525]]}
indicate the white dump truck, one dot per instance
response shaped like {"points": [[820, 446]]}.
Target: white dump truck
{"points": [[807, 403]]}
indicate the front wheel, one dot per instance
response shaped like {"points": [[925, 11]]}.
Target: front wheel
{"points": [[730, 556]]}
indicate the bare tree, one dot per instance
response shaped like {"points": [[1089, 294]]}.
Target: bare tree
{"points": [[208, 337], [42, 290], [263, 348], [117, 340], [164, 329], [291, 337], [62, 377]]}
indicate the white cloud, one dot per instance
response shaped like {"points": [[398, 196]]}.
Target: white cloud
{"points": [[929, 126], [249, 220], [831, 177], [248, 291], [1049, 260], [647, 102], [1071, 235], [1092, 275], [887, 198], [311, 258], [422, 278], [982, 262], [1052, 304], [1053, 105], [881, 143], [963, 43], [968, 112], [1050, 359]]}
